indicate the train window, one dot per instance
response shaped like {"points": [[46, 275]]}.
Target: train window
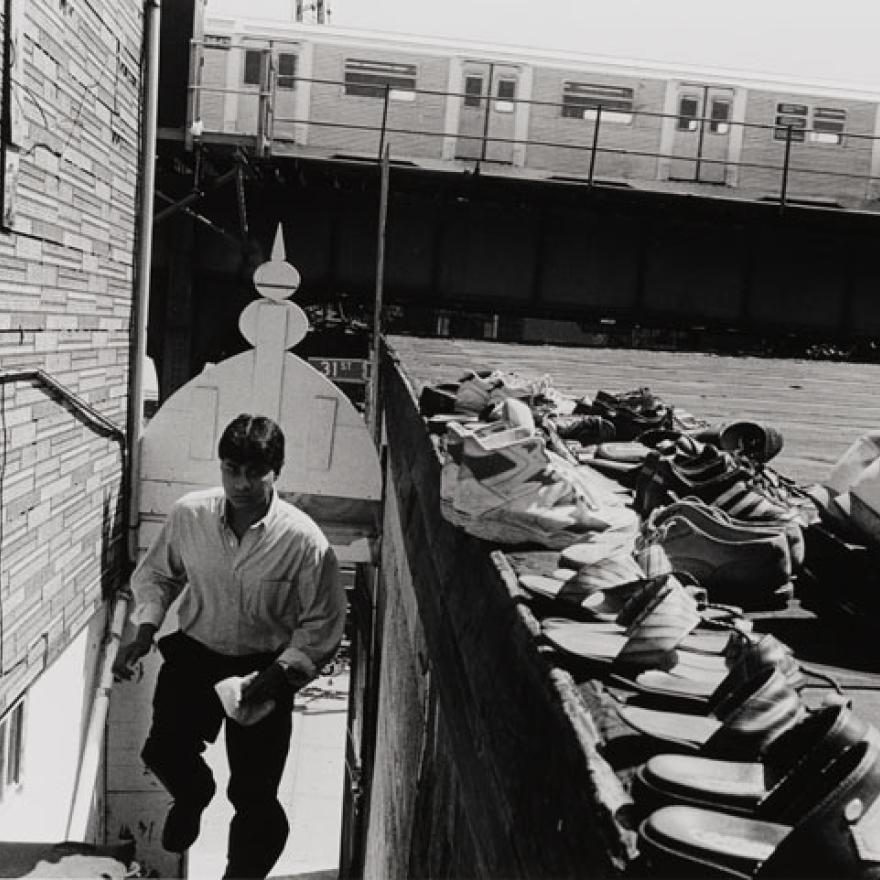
{"points": [[791, 117], [473, 91], [286, 78], [582, 101], [253, 64], [719, 116], [217, 41], [688, 113], [505, 92], [371, 79], [828, 125]]}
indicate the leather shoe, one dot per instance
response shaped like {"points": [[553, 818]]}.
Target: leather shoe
{"points": [[181, 826]]}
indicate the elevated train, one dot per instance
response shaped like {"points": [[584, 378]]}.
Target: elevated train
{"points": [[323, 91]]}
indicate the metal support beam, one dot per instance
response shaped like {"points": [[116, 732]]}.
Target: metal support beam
{"points": [[195, 196]]}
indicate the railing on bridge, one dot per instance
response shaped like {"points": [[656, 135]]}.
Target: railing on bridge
{"points": [[282, 113]]}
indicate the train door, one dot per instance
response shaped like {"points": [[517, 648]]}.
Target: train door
{"points": [[701, 140], [285, 69], [252, 85], [488, 112]]}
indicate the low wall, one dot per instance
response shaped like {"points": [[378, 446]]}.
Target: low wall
{"points": [[487, 761]]}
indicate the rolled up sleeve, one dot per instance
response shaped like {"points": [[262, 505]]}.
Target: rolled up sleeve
{"points": [[321, 621]]}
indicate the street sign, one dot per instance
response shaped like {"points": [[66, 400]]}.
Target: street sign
{"points": [[343, 370]]}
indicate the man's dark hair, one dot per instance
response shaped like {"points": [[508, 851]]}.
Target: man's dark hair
{"points": [[253, 440]]}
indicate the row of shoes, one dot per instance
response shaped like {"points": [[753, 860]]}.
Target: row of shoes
{"points": [[735, 483], [721, 517], [799, 800], [747, 780]]}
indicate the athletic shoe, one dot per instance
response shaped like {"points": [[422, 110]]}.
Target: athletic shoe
{"points": [[631, 412], [586, 430], [491, 435], [479, 392], [437, 399], [733, 488], [510, 489], [712, 519], [751, 569]]}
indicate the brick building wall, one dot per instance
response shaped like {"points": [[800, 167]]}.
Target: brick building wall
{"points": [[67, 252]]}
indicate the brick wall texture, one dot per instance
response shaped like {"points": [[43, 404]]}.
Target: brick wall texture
{"points": [[66, 292]]}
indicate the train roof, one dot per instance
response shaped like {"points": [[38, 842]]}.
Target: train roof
{"points": [[274, 29]]}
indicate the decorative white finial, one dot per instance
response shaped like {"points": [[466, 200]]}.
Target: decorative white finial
{"points": [[275, 281]]}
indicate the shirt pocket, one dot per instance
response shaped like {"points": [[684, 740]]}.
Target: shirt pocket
{"points": [[271, 601]]}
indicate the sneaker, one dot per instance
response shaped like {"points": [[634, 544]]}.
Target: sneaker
{"points": [[586, 430], [511, 489], [748, 568], [720, 481], [631, 412], [479, 392], [712, 519], [437, 399], [490, 434]]}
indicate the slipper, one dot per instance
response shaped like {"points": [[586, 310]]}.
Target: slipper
{"points": [[582, 597], [745, 658], [767, 789], [623, 451], [569, 597], [741, 726], [598, 591], [596, 547], [837, 836], [665, 619]]}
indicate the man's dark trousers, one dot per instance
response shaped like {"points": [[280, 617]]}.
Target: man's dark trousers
{"points": [[187, 714]]}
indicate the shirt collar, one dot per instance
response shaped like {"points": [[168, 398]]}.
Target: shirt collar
{"points": [[266, 520]]}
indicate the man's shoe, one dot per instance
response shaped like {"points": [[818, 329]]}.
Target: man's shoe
{"points": [[490, 434], [751, 570], [479, 392], [181, 826], [715, 521]]}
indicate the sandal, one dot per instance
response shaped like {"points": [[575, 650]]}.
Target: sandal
{"points": [[746, 718], [837, 837], [766, 789], [659, 618]]}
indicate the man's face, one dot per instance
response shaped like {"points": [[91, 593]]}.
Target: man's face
{"points": [[246, 485]]}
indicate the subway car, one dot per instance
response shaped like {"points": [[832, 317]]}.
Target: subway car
{"points": [[322, 91]]}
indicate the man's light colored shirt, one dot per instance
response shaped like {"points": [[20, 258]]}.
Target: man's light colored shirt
{"points": [[276, 589]]}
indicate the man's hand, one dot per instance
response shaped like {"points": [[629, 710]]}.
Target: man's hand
{"points": [[130, 654], [270, 683]]}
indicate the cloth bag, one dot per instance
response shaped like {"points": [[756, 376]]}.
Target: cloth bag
{"points": [[855, 485]]}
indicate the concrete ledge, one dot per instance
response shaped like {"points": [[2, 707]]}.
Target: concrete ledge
{"points": [[510, 782]]}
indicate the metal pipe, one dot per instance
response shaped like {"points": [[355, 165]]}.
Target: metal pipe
{"points": [[595, 143], [93, 748], [488, 107], [384, 122], [784, 191], [702, 135], [375, 415], [141, 306], [5, 105]]}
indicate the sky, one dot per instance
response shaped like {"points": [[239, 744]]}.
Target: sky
{"points": [[823, 41]]}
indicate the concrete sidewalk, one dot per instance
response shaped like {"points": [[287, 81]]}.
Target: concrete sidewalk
{"points": [[311, 791]]}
